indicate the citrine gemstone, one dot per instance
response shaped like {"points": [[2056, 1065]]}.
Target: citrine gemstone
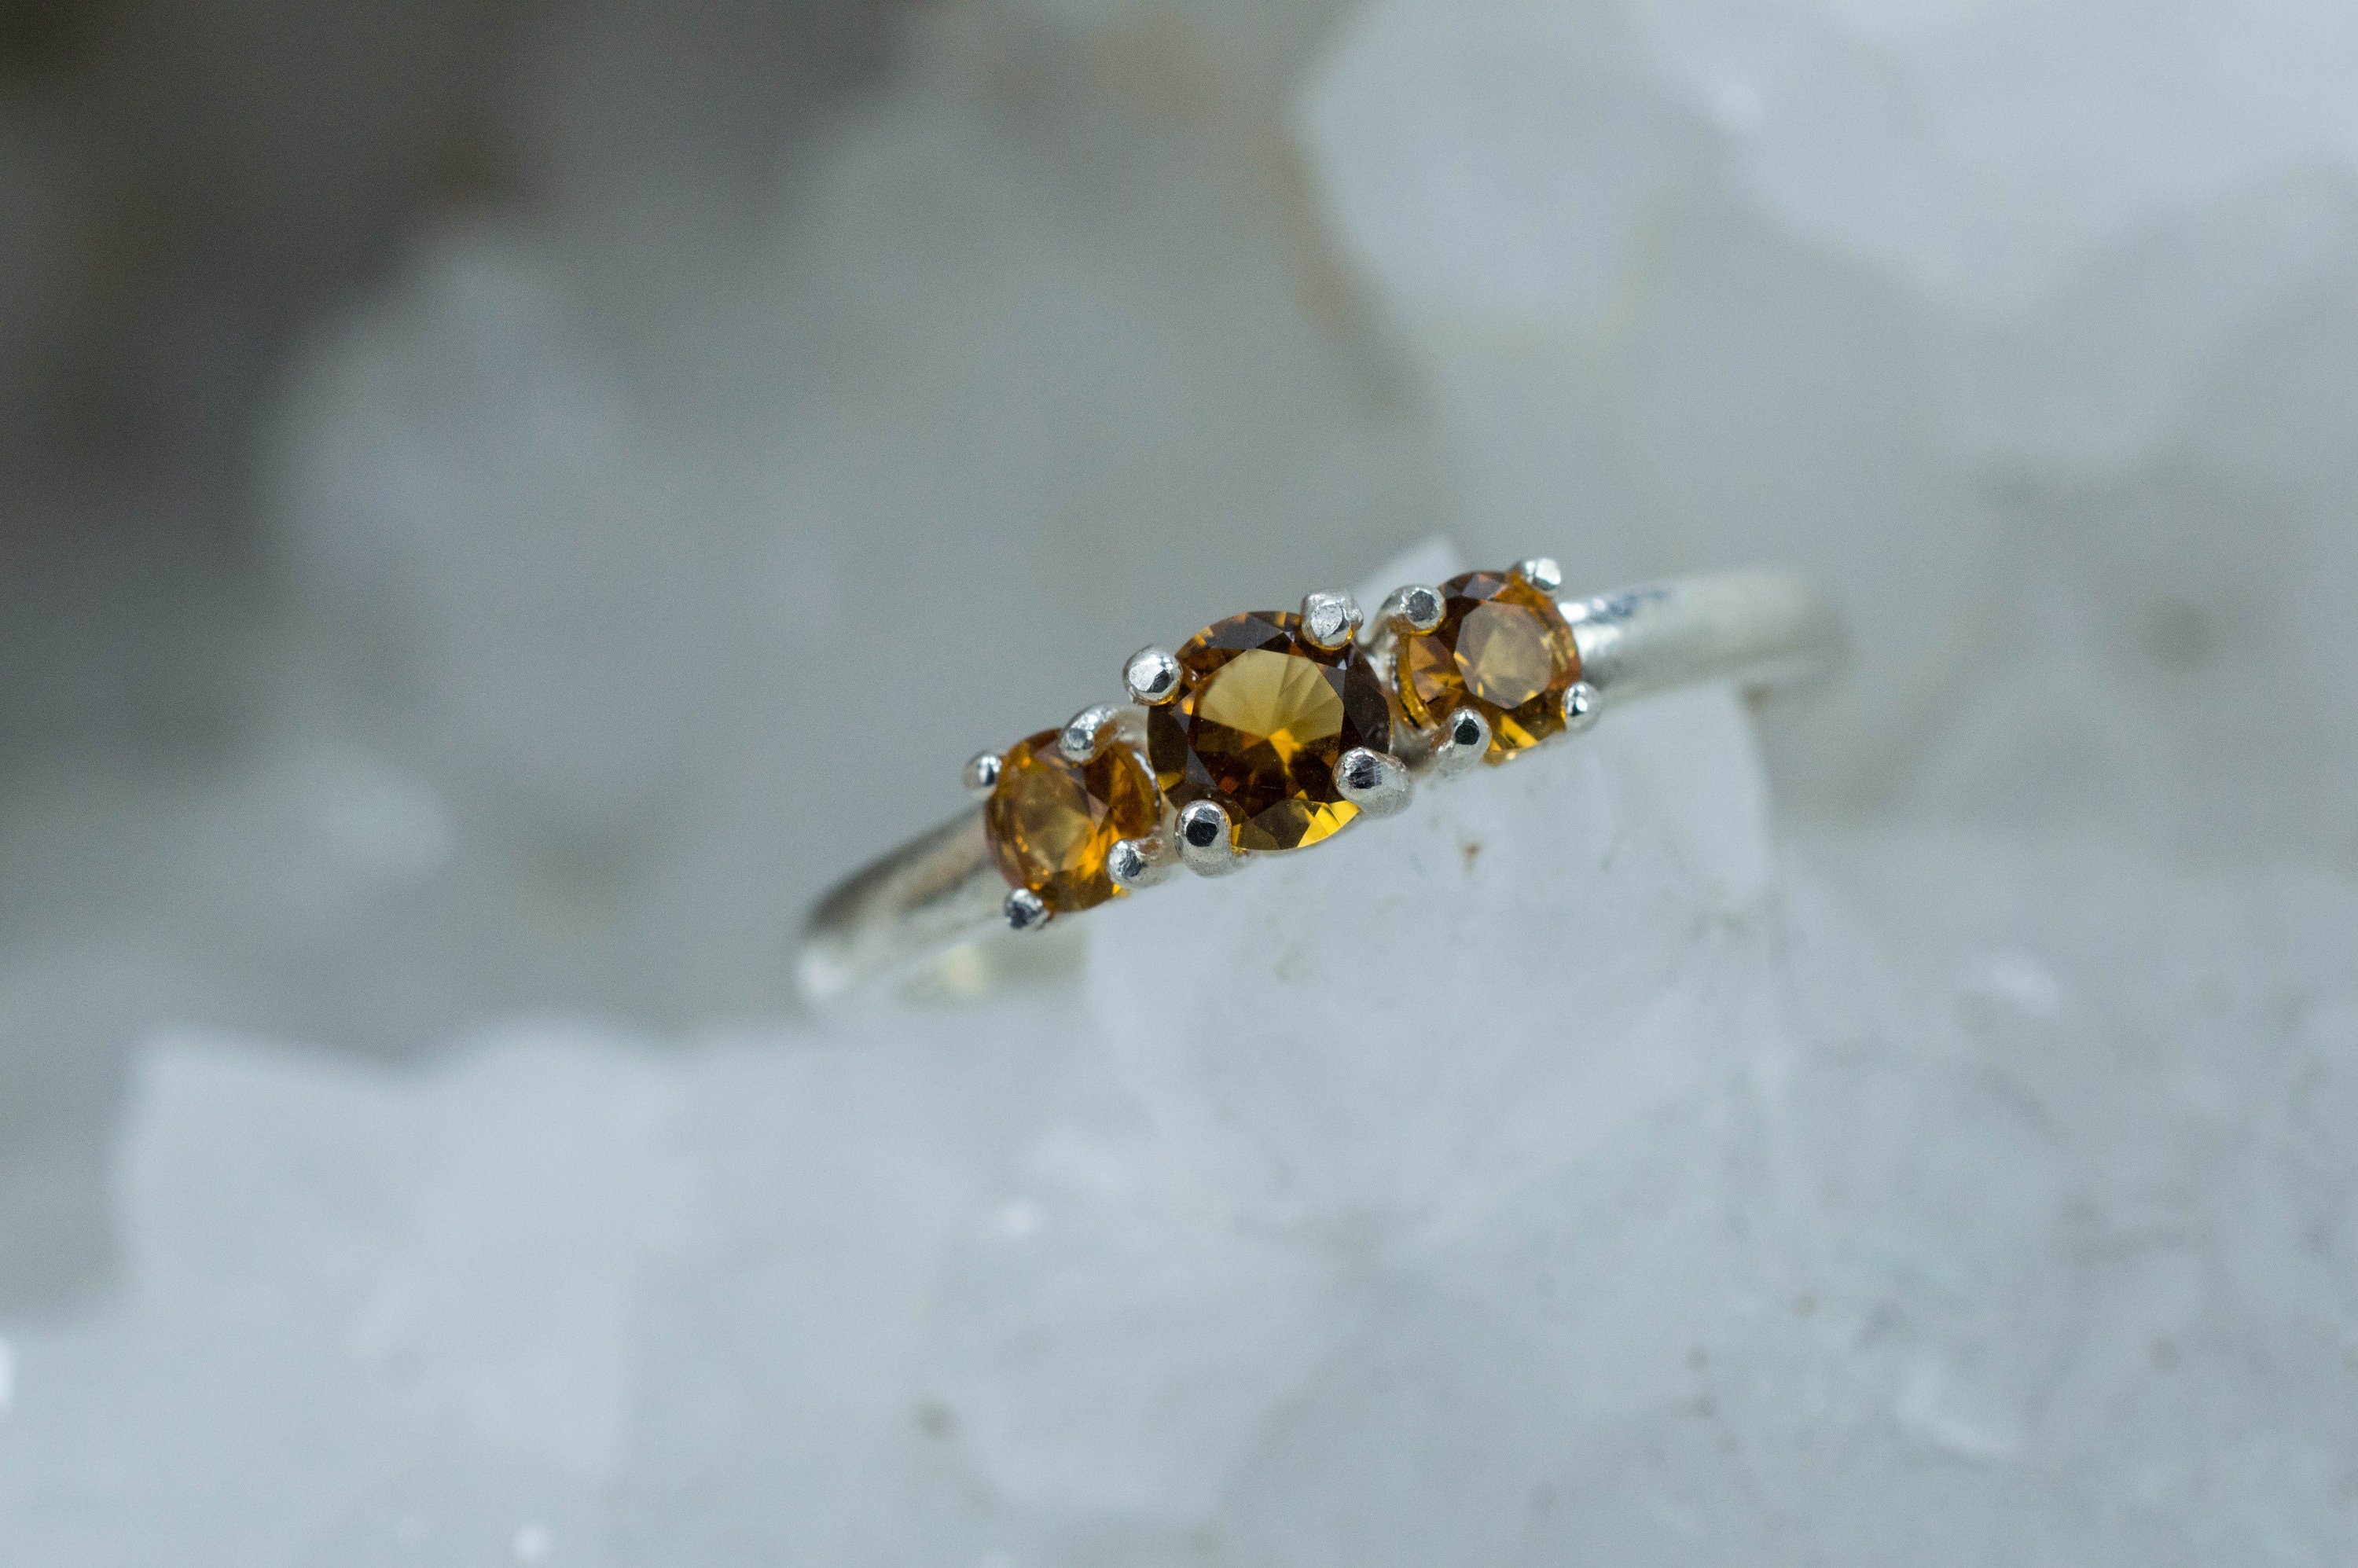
{"points": [[1260, 718], [1502, 649], [1052, 822]]}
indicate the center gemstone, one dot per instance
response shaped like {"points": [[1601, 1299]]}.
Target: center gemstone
{"points": [[1260, 718]]}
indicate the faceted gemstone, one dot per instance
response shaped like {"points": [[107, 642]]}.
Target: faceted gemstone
{"points": [[1260, 718], [1051, 823], [1502, 649]]}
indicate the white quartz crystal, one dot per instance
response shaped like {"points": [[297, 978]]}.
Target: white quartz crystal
{"points": [[359, 1319], [1542, 1176]]}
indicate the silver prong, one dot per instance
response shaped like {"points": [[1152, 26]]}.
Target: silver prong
{"points": [[1151, 677], [1026, 911], [1541, 572], [1376, 782], [1329, 620], [1582, 703], [1416, 607], [1205, 841], [1085, 733], [1464, 740], [1135, 863], [981, 774]]}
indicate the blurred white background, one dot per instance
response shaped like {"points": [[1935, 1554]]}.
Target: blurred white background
{"points": [[503, 505]]}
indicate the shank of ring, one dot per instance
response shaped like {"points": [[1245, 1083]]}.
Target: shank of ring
{"points": [[1764, 628], [927, 895]]}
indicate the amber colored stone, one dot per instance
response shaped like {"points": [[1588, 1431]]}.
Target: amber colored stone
{"points": [[1050, 822], [1502, 649], [1260, 718]]}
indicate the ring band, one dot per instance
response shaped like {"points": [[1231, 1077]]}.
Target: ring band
{"points": [[1268, 733]]}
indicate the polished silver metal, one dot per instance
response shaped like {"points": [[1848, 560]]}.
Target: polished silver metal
{"points": [[1768, 629], [1207, 840], [1135, 863], [1582, 705], [1151, 677], [1763, 629], [1464, 739], [982, 775], [1329, 621], [1416, 607], [1375, 782], [1024, 910], [1087, 733], [1541, 572], [929, 894]]}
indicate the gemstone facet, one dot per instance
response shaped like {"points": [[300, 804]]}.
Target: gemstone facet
{"points": [[1050, 822], [1262, 715], [1502, 649]]}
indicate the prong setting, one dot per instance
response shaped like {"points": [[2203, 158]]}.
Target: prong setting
{"points": [[1582, 704], [1086, 733], [1418, 608], [1151, 677], [1463, 741], [1329, 621], [1375, 782], [1206, 843], [1541, 572], [1135, 863], [1026, 910], [982, 775]]}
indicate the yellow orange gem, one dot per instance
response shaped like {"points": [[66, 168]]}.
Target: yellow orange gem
{"points": [[1050, 822], [1260, 718], [1502, 649]]}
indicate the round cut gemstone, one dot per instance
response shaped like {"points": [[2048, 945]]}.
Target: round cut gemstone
{"points": [[1502, 649], [1050, 822], [1260, 718]]}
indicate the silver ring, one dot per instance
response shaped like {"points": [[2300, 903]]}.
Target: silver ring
{"points": [[1268, 733]]}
